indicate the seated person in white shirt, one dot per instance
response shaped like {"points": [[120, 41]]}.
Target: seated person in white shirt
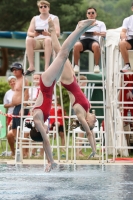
{"points": [[89, 41], [126, 42], [38, 36]]}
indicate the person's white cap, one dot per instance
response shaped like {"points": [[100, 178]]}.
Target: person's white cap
{"points": [[11, 77]]}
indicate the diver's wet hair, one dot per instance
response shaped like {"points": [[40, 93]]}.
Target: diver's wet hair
{"points": [[34, 134]]}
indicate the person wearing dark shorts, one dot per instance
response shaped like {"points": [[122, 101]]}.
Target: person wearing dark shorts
{"points": [[90, 41], [60, 127], [131, 43], [16, 120], [17, 70], [87, 44], [126, 42]]}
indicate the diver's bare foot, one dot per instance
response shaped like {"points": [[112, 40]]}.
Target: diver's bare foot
{"points": [[87, 22], [50, 166], [51, 25]]}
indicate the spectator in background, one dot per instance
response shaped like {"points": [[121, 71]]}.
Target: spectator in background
{"points": [[7, 100], [90, 41], [33, 92], [17, 70], [126, 42], [38, 35], [59, 121]]}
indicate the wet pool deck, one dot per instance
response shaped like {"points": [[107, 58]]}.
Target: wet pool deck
{"points": [[78, 162]]}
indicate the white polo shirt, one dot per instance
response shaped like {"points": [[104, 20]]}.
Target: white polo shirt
{"points": [[100, 27], [128, 25]]}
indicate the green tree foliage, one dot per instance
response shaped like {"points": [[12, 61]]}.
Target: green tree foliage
{"points": [[17, 16], [69, 13], [112, 12], [118, 10], [4, 86], [123, 10]]}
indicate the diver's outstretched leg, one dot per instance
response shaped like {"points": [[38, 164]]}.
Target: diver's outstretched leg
{"points": [[56, 67]]}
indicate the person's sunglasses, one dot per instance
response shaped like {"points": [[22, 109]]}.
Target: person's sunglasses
{"points": [[43, 7], [14, 69], [91, 13]]}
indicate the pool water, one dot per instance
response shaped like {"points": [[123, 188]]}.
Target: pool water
{"points": [[71, 182]]}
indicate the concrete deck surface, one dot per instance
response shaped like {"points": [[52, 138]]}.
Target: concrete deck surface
{"points": [[78, 162]]}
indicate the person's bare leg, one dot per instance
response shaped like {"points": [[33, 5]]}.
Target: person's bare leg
{"points": [[46, 146], [26, 150], [34, 151], [96, 51], [76, 52], [124, 47], [48, 52], [11, 141], [56, 67], [55, 42], [56, 46], [42, 128], [61, 134], [30, 45]]}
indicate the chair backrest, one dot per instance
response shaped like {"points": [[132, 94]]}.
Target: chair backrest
{"points": [[2, 122]]}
